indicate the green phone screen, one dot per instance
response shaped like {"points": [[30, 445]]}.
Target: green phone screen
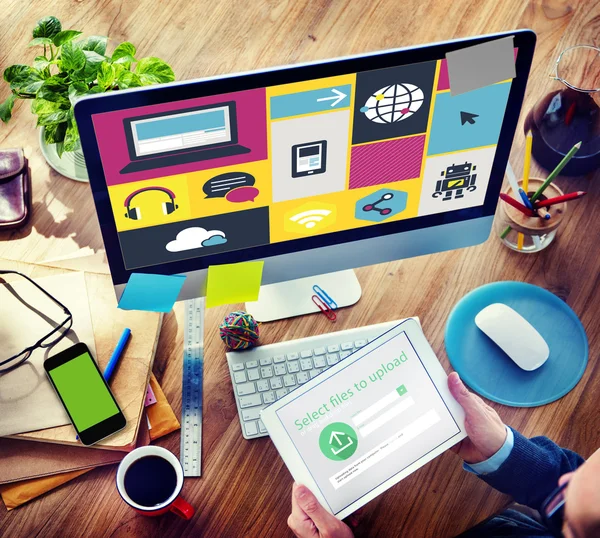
{"points": [[83, 392]]}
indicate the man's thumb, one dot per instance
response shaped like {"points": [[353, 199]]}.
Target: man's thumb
{"points": [[310, 505], [461, 393]]}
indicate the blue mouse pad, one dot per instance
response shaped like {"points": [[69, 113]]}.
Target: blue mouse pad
{"points": [[485, 368]]}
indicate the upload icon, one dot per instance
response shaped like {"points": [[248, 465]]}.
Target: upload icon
{"points": [[380, 205]]}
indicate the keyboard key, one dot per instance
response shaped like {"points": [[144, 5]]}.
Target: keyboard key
{"points": [[237, 367], [250, 401], [253, 374], [266, 362], [251, 428], [333, 359], [306, 364], [279, 359], [239, 377], [280, 369], [251, 364], [245, 389], [306, 353], [345, 347], [314, 373], [320, 351], [251, 414], [319, 362], [268, 397], [266, 371], [344, 354], [276, 382], [360, 343], [293, 356], [293, 367], [302, 377], [262, 385], [289, 380], [280, 393], [261, 427], [333, 348]]}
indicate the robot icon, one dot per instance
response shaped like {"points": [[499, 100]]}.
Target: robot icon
{"points": [[457, 179], [382, 211], [380, 205]]}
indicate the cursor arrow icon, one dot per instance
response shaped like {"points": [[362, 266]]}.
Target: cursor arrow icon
{"points": [[467, 117], [336, 98]]}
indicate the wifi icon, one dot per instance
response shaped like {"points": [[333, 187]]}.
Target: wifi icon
{"points": [[310, 217]]}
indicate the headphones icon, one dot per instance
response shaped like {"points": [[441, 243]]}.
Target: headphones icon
{"points": [[134, 213]]}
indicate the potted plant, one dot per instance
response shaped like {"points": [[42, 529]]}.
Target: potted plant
{"points": [[70, 67]]}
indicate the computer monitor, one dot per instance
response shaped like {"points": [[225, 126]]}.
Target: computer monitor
{"points": [[314, 168]]}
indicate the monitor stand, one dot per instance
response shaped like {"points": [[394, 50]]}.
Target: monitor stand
{"points": [[294, 297]]}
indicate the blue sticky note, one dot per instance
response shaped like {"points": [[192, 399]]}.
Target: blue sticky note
{"points": [[153, 293]]}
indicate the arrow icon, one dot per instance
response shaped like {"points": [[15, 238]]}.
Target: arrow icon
{"points": [[336, 98], [335, 435], [467, 117]]}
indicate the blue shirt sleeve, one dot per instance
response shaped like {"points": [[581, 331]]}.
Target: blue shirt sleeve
{"points": [[494, 462]]}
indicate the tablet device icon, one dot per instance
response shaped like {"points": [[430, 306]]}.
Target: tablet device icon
{"points": [[309, 158]]}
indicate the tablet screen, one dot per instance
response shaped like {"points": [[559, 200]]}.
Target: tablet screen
{"points": [[368, 422]]}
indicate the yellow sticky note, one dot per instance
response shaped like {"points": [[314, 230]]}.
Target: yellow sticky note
{"points": [[233, 283]]}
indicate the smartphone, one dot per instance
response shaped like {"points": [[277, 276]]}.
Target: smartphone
{"points": [[84, 393]]}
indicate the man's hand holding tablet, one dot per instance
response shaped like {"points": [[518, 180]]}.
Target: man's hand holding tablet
{"points": [[369, 421]]}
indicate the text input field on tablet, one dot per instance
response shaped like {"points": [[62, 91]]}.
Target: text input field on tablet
{"points": [[395, 404]]}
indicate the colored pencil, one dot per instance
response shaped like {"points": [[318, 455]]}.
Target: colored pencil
{"points": [[544, 213], [520, 240], [527, 161], [512, 179], [556, 171], [505, 232], [526, 201], [517, 205], [559, 199]]}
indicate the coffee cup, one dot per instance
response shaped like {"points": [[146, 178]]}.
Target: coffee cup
{"points": [[150, 480]]}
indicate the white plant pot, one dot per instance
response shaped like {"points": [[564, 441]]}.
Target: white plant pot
{"points": [[71, 164]]}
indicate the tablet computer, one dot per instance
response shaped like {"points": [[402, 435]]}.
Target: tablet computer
{"points": [[367, 422]]}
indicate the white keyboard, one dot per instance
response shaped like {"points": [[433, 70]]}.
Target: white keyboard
{"points": [[264, 374]]}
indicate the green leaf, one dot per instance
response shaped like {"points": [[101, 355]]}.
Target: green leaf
{"points": [[40, 63], [40, 41], [47, 27], [123, 51], [154, 71], [92, 63], [16, 71], [55, 133], [6, 108], [71, 136], [41, 106], [31, 87], [76, 90], [23, 78], [127, 79], [63, 37], [106, 75], [55, 117], [60, 149], [54, 89], [72, 57], [97, 43]]}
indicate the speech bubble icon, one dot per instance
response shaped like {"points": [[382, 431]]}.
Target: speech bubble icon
{"points": [[219, 186], [242, 194]]}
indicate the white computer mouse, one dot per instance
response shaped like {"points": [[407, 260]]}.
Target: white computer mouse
{"points": [[514, 335]]}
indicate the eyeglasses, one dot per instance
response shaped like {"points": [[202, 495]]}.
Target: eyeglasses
{"points": [[54, 336], [553, 510]]}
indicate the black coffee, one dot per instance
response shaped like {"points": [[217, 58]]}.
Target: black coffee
{"points": [[150, 481]]}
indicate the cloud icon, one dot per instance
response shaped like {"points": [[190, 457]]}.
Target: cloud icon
{"points": [[196, 237]]}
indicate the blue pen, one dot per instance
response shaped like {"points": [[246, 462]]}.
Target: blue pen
{"points": [[525, 199], [114, 358]]}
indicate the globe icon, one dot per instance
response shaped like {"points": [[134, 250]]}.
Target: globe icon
{"points": [[393, 103]]}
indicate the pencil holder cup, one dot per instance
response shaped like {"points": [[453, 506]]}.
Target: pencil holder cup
{"points": [[530, 234]]}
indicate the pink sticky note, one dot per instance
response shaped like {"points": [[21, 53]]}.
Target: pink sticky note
{"points": [[150, 398]]}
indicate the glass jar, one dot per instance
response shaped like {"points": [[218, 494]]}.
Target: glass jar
{"points": [[536, 233], [570, 114]]}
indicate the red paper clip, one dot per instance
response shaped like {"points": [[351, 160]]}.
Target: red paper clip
{"points": [[324, 307]]}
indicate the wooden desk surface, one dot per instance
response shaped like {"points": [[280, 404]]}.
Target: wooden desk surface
{"points": [[245, 488]]}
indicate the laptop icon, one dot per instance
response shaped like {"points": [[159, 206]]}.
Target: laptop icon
{"points": [[182, 136]]}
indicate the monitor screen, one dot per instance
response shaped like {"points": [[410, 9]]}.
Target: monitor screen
{"points": [[291, 166]]}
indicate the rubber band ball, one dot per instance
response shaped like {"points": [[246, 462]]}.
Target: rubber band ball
{"points": [[238, 331]]}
